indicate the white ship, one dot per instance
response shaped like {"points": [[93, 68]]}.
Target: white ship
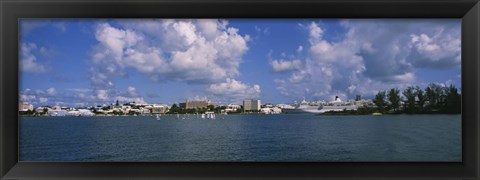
{"points": [[321, 107], [337, 105], [304, 107]]}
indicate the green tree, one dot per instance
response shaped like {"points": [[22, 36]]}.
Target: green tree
{"points": [[421, 100], [394, 98], [409, 103], [453, 101], [435, 96], [380, 101], [211, 107], [174, 109], [117, 104]]}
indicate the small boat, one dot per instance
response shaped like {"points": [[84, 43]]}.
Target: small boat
{"points": [[158, 117], [376, 114]]}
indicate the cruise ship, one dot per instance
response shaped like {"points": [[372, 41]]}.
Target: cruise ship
{"points": [[320, 107], [338, 105], [304, 107]]}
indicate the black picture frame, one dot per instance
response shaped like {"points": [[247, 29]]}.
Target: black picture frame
{"points": [[12, 10]]}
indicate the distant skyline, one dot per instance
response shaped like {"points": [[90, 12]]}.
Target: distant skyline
{"points": [[84, 62]]}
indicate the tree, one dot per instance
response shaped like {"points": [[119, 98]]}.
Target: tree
{"points": [[453, 101], [174, 109], [117, 104], [211, 107], [410, 94], [421, 100], [394, 98], [380, 101]]}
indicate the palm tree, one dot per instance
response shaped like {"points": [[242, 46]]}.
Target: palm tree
{"points": [[410, 95], [394, 98], [380, 101]]}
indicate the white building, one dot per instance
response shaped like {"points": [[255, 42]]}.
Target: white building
{"points": [[233, 108], [271, 110], [251, 105], [159, 109], [23, 106]]}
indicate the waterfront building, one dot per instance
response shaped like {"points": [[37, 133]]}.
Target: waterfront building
{"points": [[40, 109], [56, 108], [159, 109], [145, 111], [232, 108], [57, 112], [271, 110], [251, 105], [268, 105], [196, 104], [24, 106]]}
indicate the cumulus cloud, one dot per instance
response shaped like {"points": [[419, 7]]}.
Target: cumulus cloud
{"points": [[138, 100], [440, 49], [195, 51], [234, 91], [286, 65], [373, 55], [28, 61]]}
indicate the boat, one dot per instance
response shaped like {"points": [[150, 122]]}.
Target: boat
{"points": [[337, 105], [376, 114], [209, 115], [304, 107], [320, 107], [158, 117]]}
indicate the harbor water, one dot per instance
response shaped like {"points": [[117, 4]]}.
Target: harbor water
{"points": [[282, 137]]}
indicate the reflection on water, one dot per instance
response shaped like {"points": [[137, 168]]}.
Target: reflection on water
{"points": [[296, 137]]}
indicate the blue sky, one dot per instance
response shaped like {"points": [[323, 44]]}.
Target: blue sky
{"points": [[86, 62]]}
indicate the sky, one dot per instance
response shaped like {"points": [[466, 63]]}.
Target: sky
{"points": [[86, 62]]}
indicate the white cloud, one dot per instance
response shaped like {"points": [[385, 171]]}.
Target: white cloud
{"points": [[28, 61], [196, 51], [27, 98], [285, 65], [407, 77], [102, 94], [315, 32], [300, 49], [234, 91], [43, 100], [51, 91], [131, 99], [373, 55], [439, 49], [132, 91]]}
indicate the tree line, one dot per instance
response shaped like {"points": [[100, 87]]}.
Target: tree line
{"points": [[414, 100]]}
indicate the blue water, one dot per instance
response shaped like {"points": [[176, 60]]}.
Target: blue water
{"points": [[294, 137]]}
